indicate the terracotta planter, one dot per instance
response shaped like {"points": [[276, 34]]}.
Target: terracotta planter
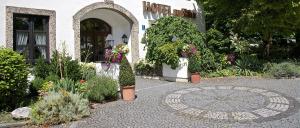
{"points": [[128, 93], [195, 78]]}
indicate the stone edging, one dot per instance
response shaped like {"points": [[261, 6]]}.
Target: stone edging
{"points": [[18, 124]]}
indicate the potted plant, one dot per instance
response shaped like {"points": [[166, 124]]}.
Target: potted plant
{"points": [[127, 80], [194, 68]]}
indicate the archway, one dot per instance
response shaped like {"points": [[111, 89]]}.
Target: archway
{"points": [[92, 39], [134, 28]]}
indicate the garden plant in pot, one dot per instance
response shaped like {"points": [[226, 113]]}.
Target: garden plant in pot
{"points": [[127, 80], [194, 68]]}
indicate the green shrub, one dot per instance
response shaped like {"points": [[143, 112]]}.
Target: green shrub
{"points": [[102, 88], [66, 84], [52, 77], [59, 107], [194, 65], [216, 41], [249, 62], [164, 29], [168, 54], [69, 68], [146, 68], [37, 83], [41, 68], [285, 69], [126, 76], [13, 78], [87, 72]]}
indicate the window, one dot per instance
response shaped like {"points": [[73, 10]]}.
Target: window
{"points": [[31, 36]]}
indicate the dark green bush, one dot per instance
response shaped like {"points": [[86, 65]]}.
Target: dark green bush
{"points": [[59, 107], [250, 62], [102, 88], [164, 29], [69, 68], [13, 78], [37, 83], [284, 70], [41, 68], [126, 76], [194, 65], [217, 42]]}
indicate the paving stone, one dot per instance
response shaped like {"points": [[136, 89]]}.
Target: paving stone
{"points": [[192, 111], [193, 89], [243, 116], [225, 87], [280, 107], [269, 94], [178, 106], [279, 100], [216, 115], [209, 88], [150, 111], [182, 92], [257, 90], [241, 88], [266, 112]]}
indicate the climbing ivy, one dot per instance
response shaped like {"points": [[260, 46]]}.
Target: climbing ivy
{"points": [[161, 48]]}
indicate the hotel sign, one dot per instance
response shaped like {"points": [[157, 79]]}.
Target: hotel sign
{"points": [[166, 10]]}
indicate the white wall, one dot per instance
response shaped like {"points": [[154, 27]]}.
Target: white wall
{"points": [[66, 9]]}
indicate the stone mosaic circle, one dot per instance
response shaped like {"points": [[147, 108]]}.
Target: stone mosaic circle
{"points": [[228, 103]]}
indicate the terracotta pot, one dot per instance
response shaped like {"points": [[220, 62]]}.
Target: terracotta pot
{"points": [[195, 78], [128, 93]]}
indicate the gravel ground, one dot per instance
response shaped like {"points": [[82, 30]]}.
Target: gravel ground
{"points": [[155, 108]]}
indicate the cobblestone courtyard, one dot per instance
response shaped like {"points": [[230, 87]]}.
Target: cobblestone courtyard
{"points": [[214, 103]]}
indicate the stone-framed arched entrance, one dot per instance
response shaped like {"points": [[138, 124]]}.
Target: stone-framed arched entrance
{"points": [[114, 7]]}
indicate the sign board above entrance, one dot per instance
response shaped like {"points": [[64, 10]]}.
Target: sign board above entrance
{"points": [[166, 10]]}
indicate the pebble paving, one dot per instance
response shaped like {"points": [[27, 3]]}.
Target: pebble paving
{"points": [[214, 103]]}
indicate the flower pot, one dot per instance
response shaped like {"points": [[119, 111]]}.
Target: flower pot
{"points": [[195, 78], [128, 93]]}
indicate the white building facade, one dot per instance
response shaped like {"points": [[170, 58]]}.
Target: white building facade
{"points": [[37, 27]]}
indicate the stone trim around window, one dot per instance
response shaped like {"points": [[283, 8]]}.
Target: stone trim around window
{"points": [[114, 7], [20, 10]]}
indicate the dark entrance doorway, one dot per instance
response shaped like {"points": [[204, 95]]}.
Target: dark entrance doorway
{"points": [[93, 33]]}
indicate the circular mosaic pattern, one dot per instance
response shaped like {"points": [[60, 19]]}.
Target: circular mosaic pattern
{"points": [[228, 103]]}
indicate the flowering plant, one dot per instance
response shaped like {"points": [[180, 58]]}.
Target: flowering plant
{"points": [[188, 50], [116, 54]]}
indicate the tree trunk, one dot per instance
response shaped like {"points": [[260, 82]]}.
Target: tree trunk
{"points": [[268, 43]]}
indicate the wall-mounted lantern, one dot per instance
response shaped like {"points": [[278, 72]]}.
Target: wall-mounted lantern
{"points": [[125, 39], [109, 41]]}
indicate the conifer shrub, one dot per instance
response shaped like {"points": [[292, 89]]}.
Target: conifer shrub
{"points": [[126, 76]]}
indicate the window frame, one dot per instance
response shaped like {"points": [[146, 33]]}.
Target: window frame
{"points": [[31, 45]]}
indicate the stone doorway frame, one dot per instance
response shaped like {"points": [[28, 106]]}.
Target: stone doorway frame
{"points": [[114, 7]]}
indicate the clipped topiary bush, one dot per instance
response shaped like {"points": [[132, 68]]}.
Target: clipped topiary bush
{"points": [[13, 78], [126, 76], [59, 107], [102, 88]]}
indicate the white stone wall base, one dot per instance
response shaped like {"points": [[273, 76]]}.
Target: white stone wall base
{"points": [[180, 74]]}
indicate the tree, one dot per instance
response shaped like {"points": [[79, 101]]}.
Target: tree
{"points": [[254, 17], [269, 17]]}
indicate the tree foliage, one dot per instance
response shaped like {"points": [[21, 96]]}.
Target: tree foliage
{"points": [[262, 18]]}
